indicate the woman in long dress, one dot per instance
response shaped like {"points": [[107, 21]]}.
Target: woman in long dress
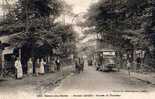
{"points": [[37, 67], [42, 70], [30, 67], [19, 70]]}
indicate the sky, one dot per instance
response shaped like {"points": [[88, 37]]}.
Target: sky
{"points": [[80, 5]]}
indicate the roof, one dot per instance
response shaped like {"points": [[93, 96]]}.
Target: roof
{"points": [[8, 50]]}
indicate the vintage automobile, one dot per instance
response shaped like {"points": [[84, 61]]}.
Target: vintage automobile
{"points": [[105, 60]]}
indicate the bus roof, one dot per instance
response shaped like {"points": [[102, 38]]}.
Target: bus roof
{"points": [[105, 50]]}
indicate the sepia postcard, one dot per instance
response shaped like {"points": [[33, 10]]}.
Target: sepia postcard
{"points": [[77, 49]]}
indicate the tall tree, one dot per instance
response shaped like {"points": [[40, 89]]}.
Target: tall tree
{"points": [[34, 26], [120, 22]]}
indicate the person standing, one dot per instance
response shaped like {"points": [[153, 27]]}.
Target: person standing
{"points": [[42, 64], [129, 67], [37, 66], [138, 61], [77, 65], [46, 66], [58, 64], [52, 65], [118, 63], [82, 64], [30, 67], [18, 66]]}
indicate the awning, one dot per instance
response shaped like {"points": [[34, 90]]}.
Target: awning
{"points": [[8, 51]]}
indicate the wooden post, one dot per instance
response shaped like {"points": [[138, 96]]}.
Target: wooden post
{"points": [[2, 59]]}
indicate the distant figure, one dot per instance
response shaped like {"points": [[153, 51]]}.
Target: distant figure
{"points": [[89, 62], [77, 65], [57, 62], [37, 66], [138, 61], [18, 66], [81, 60], [128, 66], [42, 63], [30, 67], [53, 66], [46, 66]]}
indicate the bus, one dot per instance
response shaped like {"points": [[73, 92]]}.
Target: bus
{"points": [[105, 60]]}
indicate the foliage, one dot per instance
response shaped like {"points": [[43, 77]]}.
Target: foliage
{"points": [[121, 23], [33, 24], [38, 13]]}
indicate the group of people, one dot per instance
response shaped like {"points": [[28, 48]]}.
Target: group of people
{"points": [[39, 66], [79, 65]]}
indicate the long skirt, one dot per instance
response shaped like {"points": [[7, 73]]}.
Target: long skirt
{"points": [[30, 70], [42, 70], [37, 71], [19, 73], [52, 68]]}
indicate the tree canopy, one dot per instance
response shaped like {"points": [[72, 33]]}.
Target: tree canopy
{"points": [[121, 22], [33, 23], [33, 13]]}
